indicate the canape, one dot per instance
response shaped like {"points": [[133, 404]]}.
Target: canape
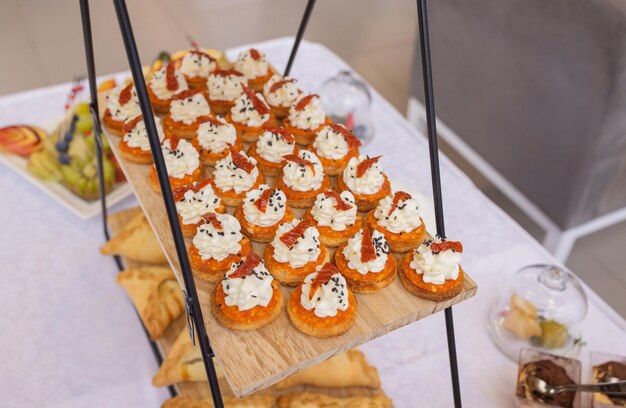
{"points": [[196, 66], [223, 88], [306, 117], [194, 201], [365, 262], [263, 209], [213, 137], [218, 244], [432, 271], [335, 146], [398, 218], [122, 105], [253, 64], [364, 177], [187, 110], [269, 151], [295, 251], [250, 114], [134, 146], [182, 162], [335, 216], [234, 176], [280, 93], [323, 305], [247, 298], [302, 179], [164, 84]]}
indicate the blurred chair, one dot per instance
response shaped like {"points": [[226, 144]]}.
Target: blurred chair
{"points": [[535, 94]]}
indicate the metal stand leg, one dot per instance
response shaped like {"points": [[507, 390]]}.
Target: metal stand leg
{"points": [[303, 23], [93, 107]]}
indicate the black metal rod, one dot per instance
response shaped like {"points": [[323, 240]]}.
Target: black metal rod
{"points": [[429, 101], [93, 107], [303, 23], [166, 190]]}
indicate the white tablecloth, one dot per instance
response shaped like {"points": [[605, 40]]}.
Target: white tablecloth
{"points": [[69, 336]]}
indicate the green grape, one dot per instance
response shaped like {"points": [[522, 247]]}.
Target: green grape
{"points": [[82, 109], [84, 124]]}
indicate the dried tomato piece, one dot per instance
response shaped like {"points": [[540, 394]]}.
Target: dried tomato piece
{"points": [[258, 104], [179, 193], [185, 94], [340, 204], [362, 167], [202, 54], [130, 125], [456, 246], [289, 238], [199, 186], [323, 276], [211, 218], [226, 72], [397, 198], [368, 251], [302, 103], [287, 137], [170, 76], [248, 265], [210, 119], [352, 140], [278, 84], [126, 94], [255, 54], [240, 160], [174, 140], [300, 161], [261, 202]]}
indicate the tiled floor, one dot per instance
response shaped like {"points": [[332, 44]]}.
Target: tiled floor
{"points": [[43, 42]]}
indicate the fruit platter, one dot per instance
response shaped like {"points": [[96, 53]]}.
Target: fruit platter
{"points": [[60, 159]]}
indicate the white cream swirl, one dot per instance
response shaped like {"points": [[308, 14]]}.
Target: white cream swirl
{"points": [[284, 95], [301, 177], [197, 65], [368, 183], [274, 212], [250, 67], [331, 296], [244, 112], [126, 111], [309, 118], [194, 204], [435, 268], [272, 147], [138, 136], [218, 244], [225, 87], [158, 84], [250, 291], [180, 162], [404, 218], [327, 215], [228, 176], [189, 109], [330, 144], [215, 138], [352, 252], [306, 248]]}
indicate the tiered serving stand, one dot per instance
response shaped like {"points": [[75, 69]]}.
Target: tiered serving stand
{"points": [[256, 359]]}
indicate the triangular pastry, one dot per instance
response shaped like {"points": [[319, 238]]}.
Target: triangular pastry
{"points": [[156, 295], [253, 401], [136, 242], [349, 369], [183, 363], [310, 400]]}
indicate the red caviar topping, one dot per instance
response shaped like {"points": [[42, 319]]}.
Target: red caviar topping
{"points": [[290, 237], [261, 202], [211, 218], [352, 141], [240, 160], [398, 197], [368, 251], [276, 85], [248, 265], [170, 77], [340, 204], [362, 167], [130, 125], [287, 137], [300, 161], [305, 101], [258, 104], [323, 276], [126, 94], [456, 246]]}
